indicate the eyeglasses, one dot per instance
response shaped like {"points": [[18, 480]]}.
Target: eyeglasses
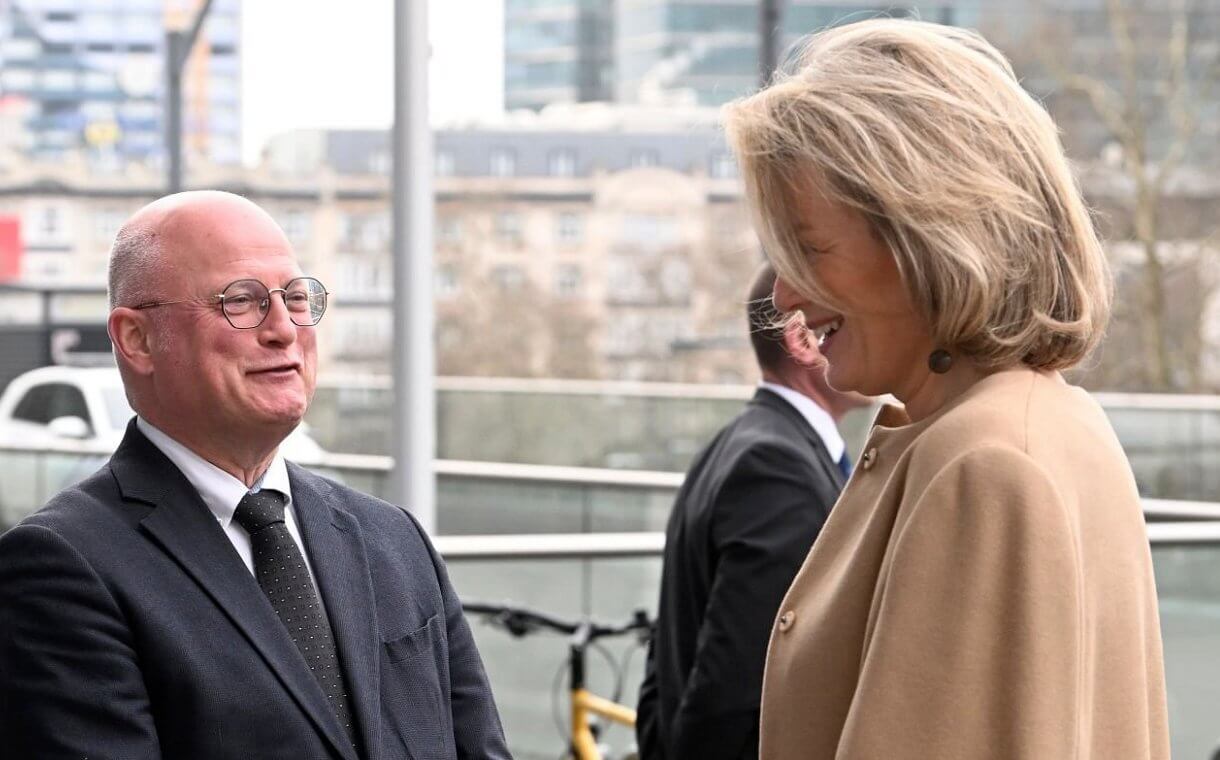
{"points": [[246, 303]]}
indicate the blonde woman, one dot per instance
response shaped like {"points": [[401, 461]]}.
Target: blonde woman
{"points": [[983, 588]]}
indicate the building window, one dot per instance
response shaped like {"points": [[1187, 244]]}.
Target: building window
{"points": [[508, 227], [106, 224], [568, 280], [98, 81], [296, 226], [17, 80], [644, 157], [362, 278], [570, 227], [649, 231], [364, 232], [15, 48], [508, 278], [562, 163], [47, 226], [503, 162], [380, 162], [722, 166], [449, 230], [443, 164], [446, 285], [59, 79], [374, 232]]}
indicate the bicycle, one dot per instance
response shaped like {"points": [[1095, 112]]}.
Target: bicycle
{"points": [[584, 705]]}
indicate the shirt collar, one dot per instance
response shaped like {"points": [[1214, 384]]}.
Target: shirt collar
{"points": [[817, 417], [220, 491]]}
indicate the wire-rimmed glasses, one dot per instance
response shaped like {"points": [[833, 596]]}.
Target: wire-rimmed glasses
{"points": [[246, 303]]}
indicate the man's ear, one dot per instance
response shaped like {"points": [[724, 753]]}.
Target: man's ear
{"points": [[798, 342], [128, 331]]}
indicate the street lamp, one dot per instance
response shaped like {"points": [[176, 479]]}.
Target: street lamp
{"points": [[178, 44]]}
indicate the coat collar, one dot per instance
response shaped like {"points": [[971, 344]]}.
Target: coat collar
{"points": [[184, 528], [773, 401]]}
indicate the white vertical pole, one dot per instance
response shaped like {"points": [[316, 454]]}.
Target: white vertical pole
{"points": [[413, 484]]}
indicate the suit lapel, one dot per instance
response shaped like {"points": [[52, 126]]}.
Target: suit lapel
{"points": [[336, 550], [184, 527], [829, 466]]}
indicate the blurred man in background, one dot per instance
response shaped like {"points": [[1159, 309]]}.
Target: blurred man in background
{"points": [[746, 516]]}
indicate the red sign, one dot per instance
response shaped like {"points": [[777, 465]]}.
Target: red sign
{"points": [[10, 248]]}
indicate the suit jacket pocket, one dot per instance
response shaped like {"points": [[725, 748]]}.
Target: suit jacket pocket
{"points": [[414, 643], [414, 689]]}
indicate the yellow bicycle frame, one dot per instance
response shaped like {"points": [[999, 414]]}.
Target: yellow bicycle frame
{"points": [[584, 704]]}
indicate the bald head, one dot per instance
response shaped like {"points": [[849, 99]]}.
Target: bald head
{"points": [[228, 392], [159, 238]]}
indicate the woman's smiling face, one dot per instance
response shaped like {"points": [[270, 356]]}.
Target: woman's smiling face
{"points": [[873, 338]]}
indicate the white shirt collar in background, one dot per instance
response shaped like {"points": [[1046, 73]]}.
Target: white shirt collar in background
{"points": [[817, 417]]}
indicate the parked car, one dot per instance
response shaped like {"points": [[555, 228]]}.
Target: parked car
{"points": [[81, 413]]}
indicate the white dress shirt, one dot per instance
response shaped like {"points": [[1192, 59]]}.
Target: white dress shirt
{"points": [[222, 492], [817, 417]]}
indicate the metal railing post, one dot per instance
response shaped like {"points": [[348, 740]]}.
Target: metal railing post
{"points": [[412, 483]]}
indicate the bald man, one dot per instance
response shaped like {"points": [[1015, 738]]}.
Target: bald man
{"points": [[199, 597]]}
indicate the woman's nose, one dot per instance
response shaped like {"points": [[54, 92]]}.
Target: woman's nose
{"points": [[784, 296]]}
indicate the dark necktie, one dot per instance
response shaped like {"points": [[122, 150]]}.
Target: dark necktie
{"points": [[284, 578], [845, 465]]}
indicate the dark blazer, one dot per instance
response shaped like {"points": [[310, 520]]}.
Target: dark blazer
{"points": [[746, 516], [130, 629]]}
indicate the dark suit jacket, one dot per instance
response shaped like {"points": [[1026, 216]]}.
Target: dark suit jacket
{"points": [[131, 630], [746, 516]]}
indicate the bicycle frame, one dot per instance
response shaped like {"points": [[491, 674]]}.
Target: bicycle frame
{"points": [[585, 703]]}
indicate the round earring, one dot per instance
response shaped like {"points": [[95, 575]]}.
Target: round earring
{"points": [[939, 361]]}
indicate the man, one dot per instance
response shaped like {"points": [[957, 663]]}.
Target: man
{"points": [[199, 597], [747, 514]]}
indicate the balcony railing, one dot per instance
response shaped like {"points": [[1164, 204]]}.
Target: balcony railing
{"points": [[584, 541]]}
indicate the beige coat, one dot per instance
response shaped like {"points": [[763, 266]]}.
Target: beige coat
{"points": [[982, 589]]}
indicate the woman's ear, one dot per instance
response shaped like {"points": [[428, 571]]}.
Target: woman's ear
{"points": [[129, 333]]}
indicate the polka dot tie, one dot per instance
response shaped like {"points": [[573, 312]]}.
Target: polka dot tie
{"points": [[282, 574]]}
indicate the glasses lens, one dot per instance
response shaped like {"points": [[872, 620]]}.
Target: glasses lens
{"points": [[305, 298], [245, 303]]}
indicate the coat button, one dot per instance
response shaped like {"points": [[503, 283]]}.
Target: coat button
{"points": [[869, 459], [786, 620]]}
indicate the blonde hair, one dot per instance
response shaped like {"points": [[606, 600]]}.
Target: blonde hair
{"points": [[925, 131]]}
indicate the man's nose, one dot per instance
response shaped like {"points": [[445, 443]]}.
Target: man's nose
{"points": [[277, 326]]}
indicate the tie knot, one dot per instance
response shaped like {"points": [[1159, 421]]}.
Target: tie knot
{"points": [[260, 510]]}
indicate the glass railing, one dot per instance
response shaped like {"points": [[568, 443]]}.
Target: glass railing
{"points": [[597, 551], [1172, 441], [613, 580], [472, 497], [575, 423]]}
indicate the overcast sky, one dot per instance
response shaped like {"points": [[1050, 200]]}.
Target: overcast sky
{"points": [[329, 63]]}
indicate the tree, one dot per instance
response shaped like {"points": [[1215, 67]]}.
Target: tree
{"points": [[1145, 88]]}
